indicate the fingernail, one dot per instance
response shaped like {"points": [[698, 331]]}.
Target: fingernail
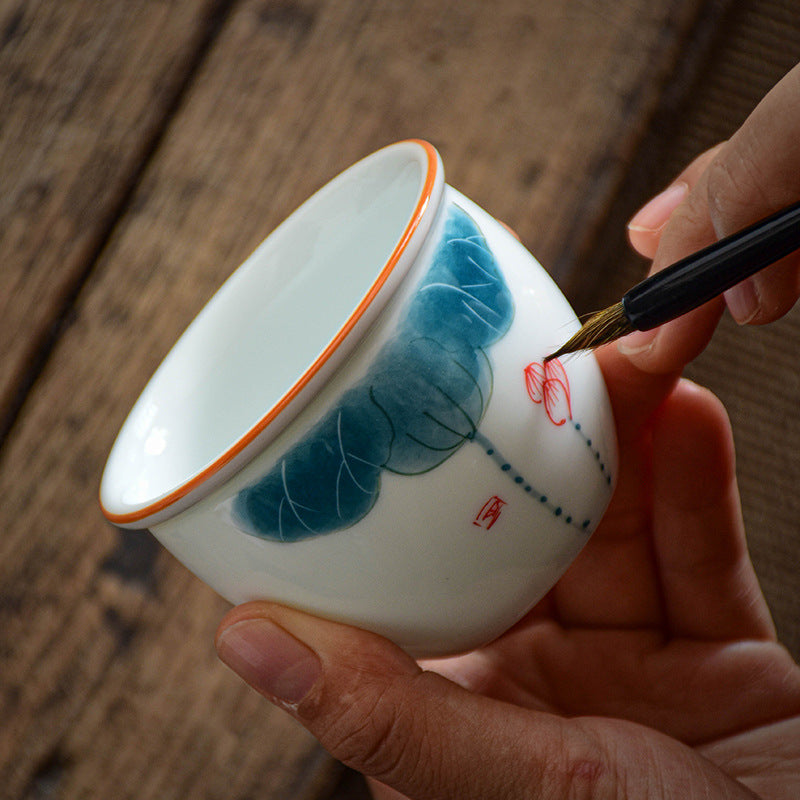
{"points": [[656, 213], [743, 301], [270, 659], [637, 342]]}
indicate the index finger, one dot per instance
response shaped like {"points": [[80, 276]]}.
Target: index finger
{"points": [[755, 173]]}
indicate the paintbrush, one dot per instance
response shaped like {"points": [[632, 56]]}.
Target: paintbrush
{"points": [[692, 281]]}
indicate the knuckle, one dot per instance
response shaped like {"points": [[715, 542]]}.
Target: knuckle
{"points": [[377, 736], [735, 184], [690, 216], [579, 768]]}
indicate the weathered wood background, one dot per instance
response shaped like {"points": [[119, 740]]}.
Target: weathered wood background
{"points": [[146, 148]]}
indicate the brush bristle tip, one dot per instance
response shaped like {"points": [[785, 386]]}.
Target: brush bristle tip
{"points": [[601, 328]]}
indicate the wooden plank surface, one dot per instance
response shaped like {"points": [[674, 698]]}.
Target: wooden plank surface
{"points": [[85, 91], [108, 683]]}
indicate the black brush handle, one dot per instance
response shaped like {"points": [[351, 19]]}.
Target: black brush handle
{"points": [[700, 277]]}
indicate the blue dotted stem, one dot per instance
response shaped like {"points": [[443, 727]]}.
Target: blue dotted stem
{"points": [[595, 452], [528, 488]]}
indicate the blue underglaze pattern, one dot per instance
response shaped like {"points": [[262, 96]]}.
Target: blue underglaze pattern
{"points": [[422, 398]]}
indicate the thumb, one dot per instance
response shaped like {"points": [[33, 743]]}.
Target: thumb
{"points": [[374, 709]]}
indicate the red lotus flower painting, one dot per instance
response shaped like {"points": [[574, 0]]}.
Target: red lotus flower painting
{"points": [[547, 383]]}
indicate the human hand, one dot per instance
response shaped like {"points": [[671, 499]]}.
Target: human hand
{"points": [[651, 669], [755, 173]]}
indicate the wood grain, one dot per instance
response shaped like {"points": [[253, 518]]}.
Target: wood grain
{"points": [[85, 90], [108, 681]]}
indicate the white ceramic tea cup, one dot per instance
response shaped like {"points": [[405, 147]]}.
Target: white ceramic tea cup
{"points": [[361, 423]]}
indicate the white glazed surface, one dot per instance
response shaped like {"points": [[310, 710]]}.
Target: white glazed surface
{"points": [[424, 567], [219, 396]]}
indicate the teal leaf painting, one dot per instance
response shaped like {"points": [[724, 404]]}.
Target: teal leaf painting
{"points": [[422, 398]]}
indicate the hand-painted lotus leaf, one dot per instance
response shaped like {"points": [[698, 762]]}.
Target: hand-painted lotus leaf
{"points": [[455, 384], [421, 399]]}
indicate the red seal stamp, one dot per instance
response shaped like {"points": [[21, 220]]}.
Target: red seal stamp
{"points": [[489, 513]]}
